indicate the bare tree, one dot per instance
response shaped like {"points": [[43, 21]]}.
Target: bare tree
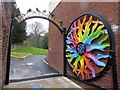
{"points": [[36, 30]]}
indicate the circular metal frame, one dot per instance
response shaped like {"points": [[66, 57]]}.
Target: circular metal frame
{"points": [[111, 47]]}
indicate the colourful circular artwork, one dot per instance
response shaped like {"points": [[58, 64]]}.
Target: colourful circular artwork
{"points": [[87, 46]]}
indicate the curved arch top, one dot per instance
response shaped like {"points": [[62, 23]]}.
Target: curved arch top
{"points": [[41, 17]]}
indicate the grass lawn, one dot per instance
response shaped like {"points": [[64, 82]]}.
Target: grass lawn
{"points": [[19, 55], [31, 50]]}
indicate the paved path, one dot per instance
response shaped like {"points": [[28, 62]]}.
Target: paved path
{"points": [[31, 67], [44, 84]]}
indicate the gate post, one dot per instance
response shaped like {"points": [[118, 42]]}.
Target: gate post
{"points": [[8, 57], [64, 53]]}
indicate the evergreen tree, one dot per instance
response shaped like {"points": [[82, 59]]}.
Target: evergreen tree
{"points": [[19, 32]]}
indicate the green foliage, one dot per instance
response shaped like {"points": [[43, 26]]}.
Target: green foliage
{"points": [[35, 36], [19, 33], [34, 41], [44, 41], [32, 50], [15, 10]]}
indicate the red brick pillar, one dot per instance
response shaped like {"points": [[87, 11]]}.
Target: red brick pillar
{"points": [[0, 46], [5, 20]]}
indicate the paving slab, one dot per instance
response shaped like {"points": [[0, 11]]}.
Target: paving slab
{"points": [[54, 82]]}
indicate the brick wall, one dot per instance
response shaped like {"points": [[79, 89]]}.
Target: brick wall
{"points": [[0, 46], [5, 18], [55, 43], [68, 11]]}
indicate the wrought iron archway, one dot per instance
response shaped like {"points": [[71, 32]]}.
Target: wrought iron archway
{"points": [[22, 18]]}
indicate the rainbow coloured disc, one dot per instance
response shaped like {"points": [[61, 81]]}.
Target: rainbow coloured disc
{"points": [[87, 46]]}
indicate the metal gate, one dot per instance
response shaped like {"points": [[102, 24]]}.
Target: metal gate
{"points": [[90, 51]]}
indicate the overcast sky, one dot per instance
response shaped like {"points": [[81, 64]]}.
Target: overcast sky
{"points": [[24, 5]]}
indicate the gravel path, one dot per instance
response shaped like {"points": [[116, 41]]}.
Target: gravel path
{"points": [[31, 67]]}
